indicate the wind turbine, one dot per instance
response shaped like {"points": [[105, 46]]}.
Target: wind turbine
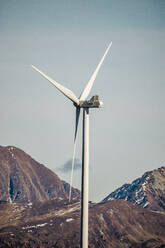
{"points": [[79, 103]]}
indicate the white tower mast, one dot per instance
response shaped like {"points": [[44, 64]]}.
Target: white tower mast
{"points": [[85, 179]]}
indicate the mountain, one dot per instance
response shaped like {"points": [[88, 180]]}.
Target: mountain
{"points": [[22, 179], [147, 191], [34, 209], [54, 223]]}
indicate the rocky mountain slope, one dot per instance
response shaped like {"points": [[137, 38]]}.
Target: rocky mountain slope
{"points": [[22, 179], [55, 224], [147, 191], [34, 209]]}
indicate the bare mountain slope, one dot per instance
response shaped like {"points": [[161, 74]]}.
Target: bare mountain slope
{"points": [[147, 191], [53, 223], [34, 209], [22, 179]]}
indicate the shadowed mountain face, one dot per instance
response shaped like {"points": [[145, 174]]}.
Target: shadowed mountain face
{"points": [[22, 179], [147, 191]]}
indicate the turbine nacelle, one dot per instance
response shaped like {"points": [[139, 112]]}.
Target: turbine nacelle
{"points": [[94, 102]]}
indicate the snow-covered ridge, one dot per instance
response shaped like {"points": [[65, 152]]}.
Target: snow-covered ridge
{"points": [[134, 192], [147, 191]]}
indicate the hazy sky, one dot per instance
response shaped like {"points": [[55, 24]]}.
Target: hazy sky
{"points": [[66, 40]]}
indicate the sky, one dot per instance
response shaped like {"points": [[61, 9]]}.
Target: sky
{"points": [[66, 39]]}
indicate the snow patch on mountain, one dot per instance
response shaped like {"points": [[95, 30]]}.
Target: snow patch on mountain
{"points": [[34, 226]]}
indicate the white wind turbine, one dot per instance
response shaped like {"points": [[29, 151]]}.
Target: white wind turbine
{"points": [[79, 103]]}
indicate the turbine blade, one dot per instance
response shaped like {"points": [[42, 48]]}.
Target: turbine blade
{"points": [[74, 149], [68, 93], [89, 85]]}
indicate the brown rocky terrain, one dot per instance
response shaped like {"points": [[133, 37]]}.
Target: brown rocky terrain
{"points": [[35, 213], [22, 179], [147, 191], [56, 224]]}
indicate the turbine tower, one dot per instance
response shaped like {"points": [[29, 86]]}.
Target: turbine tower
{"points": [[79, 103]]}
